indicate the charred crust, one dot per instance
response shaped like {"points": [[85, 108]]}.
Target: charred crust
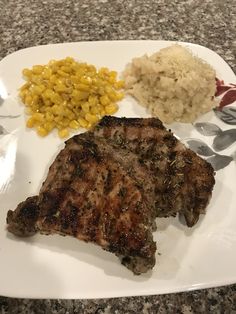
{"points": [[170, 140], [138, 265], [109, 121], [50, 201], [22, 221], [88, 150]]}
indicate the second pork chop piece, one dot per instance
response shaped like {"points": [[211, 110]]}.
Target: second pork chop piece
{"points": [[129, 161], [183, 180], [90, 196]]}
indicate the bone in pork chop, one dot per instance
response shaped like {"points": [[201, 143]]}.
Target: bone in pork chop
{"points": [[108, 185]]}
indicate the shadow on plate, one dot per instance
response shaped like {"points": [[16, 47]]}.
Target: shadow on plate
{"points": [[88, 253]]}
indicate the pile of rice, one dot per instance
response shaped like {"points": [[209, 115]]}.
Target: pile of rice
{"points": [[173, 84]]}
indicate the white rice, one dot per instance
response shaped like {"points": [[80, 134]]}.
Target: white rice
{"points": [[173, 84]]}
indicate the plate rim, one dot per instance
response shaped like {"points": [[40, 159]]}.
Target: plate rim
{"points": [[187, 288], [132, 41]]}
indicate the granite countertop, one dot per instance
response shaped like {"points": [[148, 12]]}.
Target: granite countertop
{"points": [[212, 23]]}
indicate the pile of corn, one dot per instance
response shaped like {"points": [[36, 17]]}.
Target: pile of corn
{"points": [[66, 95]]}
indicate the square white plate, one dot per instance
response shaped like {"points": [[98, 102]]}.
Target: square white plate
{"points": [[63, 267]]}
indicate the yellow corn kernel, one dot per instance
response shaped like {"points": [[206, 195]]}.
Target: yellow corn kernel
{"points": [[119, 96], [57, 119], [83, 122], [65, 122], [35, 100], [112, 79], [42, 131], [69, 59], [27, 72], [113, 96], [108, 90], [38, 116], [74, 103], [56, 110], [74, 124], [102, 113], [93, 100], [103, 70], [56, 99], [92, 68], [25, 86], [29, 111], [53, 79], [63, 133], [113, 74], [79, 114], [48, 93], [59, 126], [95, 110], [35, 79], [71, 116], [79, 95], [83, 87], [49, 126], [60, 87], [85, 107], [119, 84], [30, 123], [34, 108], [85, 80], [110, 109], [62, 73], [37, 69], [66, 69], [37, 89], [104, 100], [22, 94], [47, 72], [67, 112], [91, 118], [49, 116], [47, 103], [28, 100]]}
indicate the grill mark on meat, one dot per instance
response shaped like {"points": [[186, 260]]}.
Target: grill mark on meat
{"points": [[69, 219], [53, 201], [162, 153], [107, 186]]}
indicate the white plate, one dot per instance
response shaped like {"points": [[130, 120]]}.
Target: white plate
{"points": [[63, 267]]}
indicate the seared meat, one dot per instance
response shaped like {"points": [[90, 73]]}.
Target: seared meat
{"points": [[22, 221], [131, 163], [182, 181], [108, 185], [89, 195]]}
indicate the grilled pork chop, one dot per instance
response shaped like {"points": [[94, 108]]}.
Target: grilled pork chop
{"points": [[181, 180], [89, 195], [108, 185]]}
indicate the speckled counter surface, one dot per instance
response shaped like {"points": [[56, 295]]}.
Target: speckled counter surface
{"points": [[212, 23]]}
